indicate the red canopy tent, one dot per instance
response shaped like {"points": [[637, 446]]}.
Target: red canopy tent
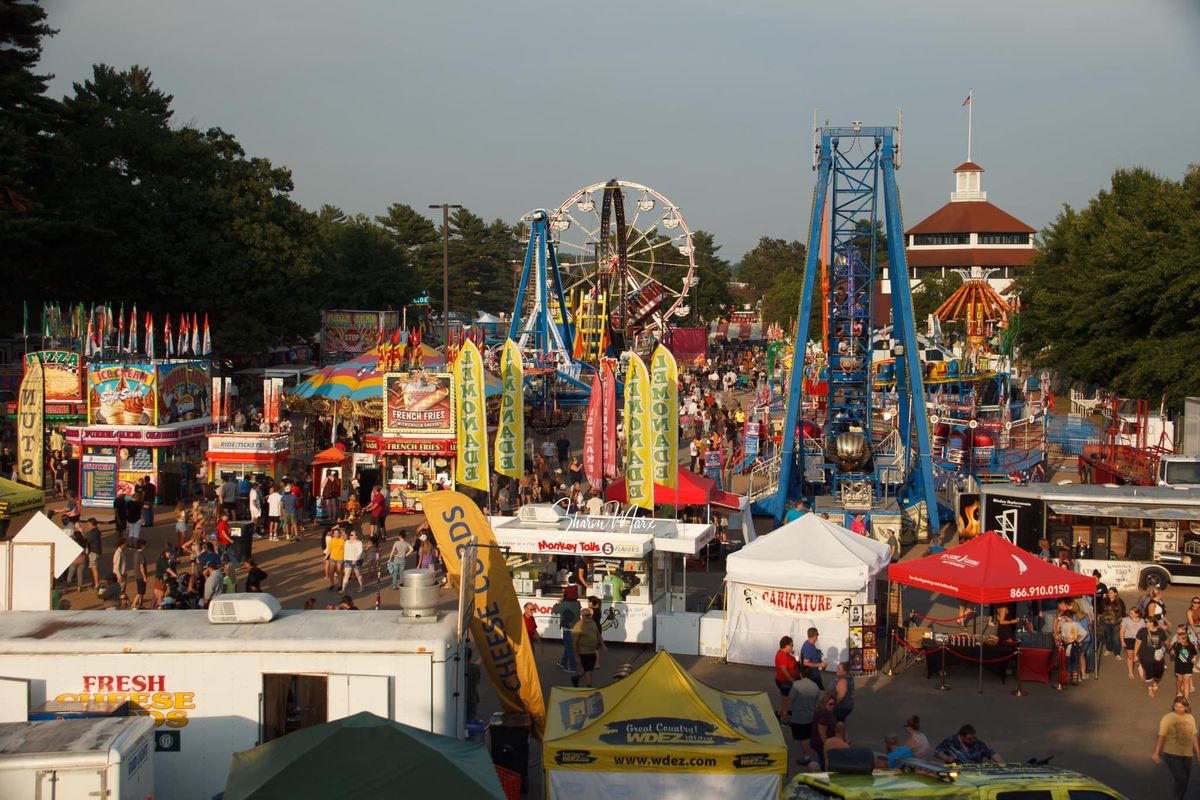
{"points": [[991, 569], [691, 490]]}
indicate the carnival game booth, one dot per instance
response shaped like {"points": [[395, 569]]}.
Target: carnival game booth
{"points": [[625, 561], [990, 569], [248, 454], [144, 418], [807, 573], [661, 733]]}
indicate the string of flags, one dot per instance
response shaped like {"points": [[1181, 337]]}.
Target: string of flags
{"points": [[101, 332]]}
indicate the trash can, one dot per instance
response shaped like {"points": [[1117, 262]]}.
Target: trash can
{"points": [[509, 734], [243, 537]]}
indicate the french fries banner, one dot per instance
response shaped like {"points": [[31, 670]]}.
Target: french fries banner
{"points": [[472, 467], [639, 481], [496, 624], [510, 437], [664, 417]]}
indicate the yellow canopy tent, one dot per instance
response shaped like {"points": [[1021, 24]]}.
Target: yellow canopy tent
{"points": [[17, 497], [661, 733]]}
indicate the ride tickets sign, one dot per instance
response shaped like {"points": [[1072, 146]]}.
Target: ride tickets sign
{"points": [[418, 404], [122, 394]]}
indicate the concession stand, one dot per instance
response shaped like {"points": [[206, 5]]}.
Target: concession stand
{"points": [[144, 418], [414, 451], [331, 460], [625, 561], [248, 454], [807, 573]]}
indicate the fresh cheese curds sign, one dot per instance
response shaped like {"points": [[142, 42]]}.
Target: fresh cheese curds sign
{"points": [[472, 466], [510, 436], [639, 480]]}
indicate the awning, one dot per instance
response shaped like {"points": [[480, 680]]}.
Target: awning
{"points": [[1124, 510]]}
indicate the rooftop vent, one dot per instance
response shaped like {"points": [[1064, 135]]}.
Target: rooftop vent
{"points": [[243, 608]]}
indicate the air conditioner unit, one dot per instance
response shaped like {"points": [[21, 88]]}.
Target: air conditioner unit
{"points": [[541, 514], [243, 608]]}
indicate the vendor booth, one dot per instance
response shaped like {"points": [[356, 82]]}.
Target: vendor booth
{"points": [[690, 490], [661, 733], [990, 569], [333, 461], [624, 561], [143, 419], [808, 573], [17, 498], [248, 454]]}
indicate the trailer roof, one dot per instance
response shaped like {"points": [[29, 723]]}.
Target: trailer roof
{"points": [[45, 632], [1092, 493], [63, 735]]}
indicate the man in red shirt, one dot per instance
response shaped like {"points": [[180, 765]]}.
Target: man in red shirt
{"points": [[785, 667], [224, 537]]}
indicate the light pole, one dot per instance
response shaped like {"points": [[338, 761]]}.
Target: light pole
{"points": [[445, 207]]}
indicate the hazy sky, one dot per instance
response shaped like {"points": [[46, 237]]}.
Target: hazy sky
{"points": [[509, 106]]}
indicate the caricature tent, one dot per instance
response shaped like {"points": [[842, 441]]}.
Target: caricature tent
{"points": [[661, 733], [804, 574]]}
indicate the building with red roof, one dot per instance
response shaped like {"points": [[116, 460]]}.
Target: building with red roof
{"points": [[970, 232]]}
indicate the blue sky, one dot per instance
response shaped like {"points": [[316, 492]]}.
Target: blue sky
{"points": [[508, 106]]}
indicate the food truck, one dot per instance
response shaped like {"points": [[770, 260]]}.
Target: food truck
{"points": [[215, 689], [1137, 536], [624, 560]]}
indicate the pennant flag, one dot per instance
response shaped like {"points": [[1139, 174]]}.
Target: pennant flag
{"points": [[967, 102], [496, 627], [133, 330], [183, 336], [510, 435], [639, 482], [394, 351], [195, 343], [149, 336], [25, 319], [664, 417], [471, 467], [206, 345], [90, 341], [168, 345]]}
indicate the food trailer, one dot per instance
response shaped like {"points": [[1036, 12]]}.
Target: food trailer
{"points": [[215, 689], [144, 418], [1137, 536], [546, 546], [234, 454]]}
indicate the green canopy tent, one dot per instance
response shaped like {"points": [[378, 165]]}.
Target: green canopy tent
{"points": [[363, 756], [17, 497]]}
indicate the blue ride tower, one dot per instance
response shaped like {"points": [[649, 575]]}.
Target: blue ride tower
{"points": [[861, 465]]}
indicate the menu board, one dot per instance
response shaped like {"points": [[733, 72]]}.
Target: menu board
{"points": [[99, 484]]}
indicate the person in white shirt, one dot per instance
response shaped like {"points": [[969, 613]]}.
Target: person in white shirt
{"points": [[274, 512], [352, 561], [595, 505], [256, 507]]}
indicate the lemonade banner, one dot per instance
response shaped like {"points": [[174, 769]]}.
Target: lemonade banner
{"points": [[496, 624], [639, 480], [510, 436], [664, 417], [472, 464]]}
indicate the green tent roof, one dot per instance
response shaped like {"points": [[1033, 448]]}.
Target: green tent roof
{"points": [[363, 756], [17, 497]]}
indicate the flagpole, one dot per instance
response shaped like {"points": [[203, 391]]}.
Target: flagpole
{"points": [[970, 115]]}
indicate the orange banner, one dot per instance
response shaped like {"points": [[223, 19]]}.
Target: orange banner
{"points": [[497, 625]]}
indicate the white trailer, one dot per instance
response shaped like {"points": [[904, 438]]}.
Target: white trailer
{"points": [[111, 757], [214, 689]]}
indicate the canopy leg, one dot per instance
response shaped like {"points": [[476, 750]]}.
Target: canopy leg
{"points": [[980, 635]]}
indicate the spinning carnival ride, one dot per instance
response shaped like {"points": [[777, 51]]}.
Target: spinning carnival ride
{"points": [[847, 459]]}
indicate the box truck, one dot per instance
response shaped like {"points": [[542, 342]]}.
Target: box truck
{"points": [[110, 757]]}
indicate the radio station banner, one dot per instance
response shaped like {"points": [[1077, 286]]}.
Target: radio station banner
{"points": [[510, 435], [419, 404], [664, 417], [347, 333], [64, 379], [31, 427], [496, 625], [122, 394], [639, 481], [471, 467], [183, 391]]}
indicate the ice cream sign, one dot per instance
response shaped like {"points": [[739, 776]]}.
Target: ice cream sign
{"points": [[121, 394]]}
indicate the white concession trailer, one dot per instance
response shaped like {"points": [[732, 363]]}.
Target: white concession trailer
{"points": [[214, 689]]}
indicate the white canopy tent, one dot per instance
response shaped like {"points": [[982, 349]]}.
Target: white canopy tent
{"points": [[804, 574]]}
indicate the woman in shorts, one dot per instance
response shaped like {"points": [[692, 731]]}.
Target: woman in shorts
{"points": [[1183, 657], [352, 561], [1151, 653], [1130, 625]]}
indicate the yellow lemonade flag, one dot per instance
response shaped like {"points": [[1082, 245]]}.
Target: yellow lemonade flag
{"points": [[664, 417], [639, 482], [471, 468], [496, 624], [509, 457]]}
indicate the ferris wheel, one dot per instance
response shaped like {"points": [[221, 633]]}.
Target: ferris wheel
{"points": [[628, 246]]}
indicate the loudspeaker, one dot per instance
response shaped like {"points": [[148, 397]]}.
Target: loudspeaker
{"points": [[1141, 546], [851, 760]]}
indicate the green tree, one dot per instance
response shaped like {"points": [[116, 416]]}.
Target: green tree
{"points": [[1113, 297], [359, 263], [931, 293], [421, 241], [769, 261], [711, 295]]}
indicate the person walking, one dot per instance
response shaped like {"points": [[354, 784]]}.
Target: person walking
{"points": [[352, 561], [335, 549], [1151, 654], [274, 512], [398, 560], [149, 496], [585, 639], [141, 577], [1183, 658], [843, 691], [95, 549], [785, 669], [799, 709], [1130, 625], [289, 523], [1112, 611], [1176, 744], [568, 612], [810, 656]]}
